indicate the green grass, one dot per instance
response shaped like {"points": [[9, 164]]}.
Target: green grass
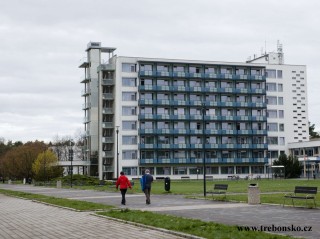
{"points": [[75, 204], [186, 225]]}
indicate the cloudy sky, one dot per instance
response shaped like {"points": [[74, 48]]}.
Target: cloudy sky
{"points": [[43, 41]]}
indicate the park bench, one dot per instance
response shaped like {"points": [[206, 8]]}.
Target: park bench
{"points": [[219, 189], [303, 193], [185, 177]]}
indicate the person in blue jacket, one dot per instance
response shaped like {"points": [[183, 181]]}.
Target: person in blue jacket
{"points": [[146, 181]]}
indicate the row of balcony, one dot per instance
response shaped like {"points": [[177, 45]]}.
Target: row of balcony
{"points": [[199, 117], [200, 132], [207, 103], [200, 75], [200, 160], [200, 146], [202, 89]]}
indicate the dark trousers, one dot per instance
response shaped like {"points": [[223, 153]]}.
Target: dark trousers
{"points": [[147, 192], [123, 194]]}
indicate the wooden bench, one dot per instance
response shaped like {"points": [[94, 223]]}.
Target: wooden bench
{"points": [[185, 177], [219, 189], [303, 193]]}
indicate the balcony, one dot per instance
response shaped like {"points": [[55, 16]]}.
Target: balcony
{"points": [[107, 111], [108, 125], [84, 63], [107, 96], [108, 154], [107, 67], [86, 105], [108, 140], [85, 92], [107, 82], [108, 169]]}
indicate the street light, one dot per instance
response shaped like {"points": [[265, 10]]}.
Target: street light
{"points": [[203, 150], [71, 159], [117, 131]]}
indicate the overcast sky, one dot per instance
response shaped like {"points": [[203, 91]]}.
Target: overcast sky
{"points": [[43, 41]]}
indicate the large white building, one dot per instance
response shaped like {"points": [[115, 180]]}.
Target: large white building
{"points": [[174, 114]]}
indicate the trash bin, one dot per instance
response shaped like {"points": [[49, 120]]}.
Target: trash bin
{"points": [[253, 194], [167, 184]]}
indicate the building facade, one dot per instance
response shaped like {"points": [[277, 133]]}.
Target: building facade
{"points": [[176, 116]]}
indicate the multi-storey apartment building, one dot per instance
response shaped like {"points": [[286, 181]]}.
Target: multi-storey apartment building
{"points": [[177, 116]]}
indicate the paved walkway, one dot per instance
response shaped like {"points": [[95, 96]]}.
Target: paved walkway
{"points": [[26, 219], [261, 216]]}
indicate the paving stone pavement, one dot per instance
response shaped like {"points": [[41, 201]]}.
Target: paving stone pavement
{"points": [[240, 214], [24, 219]]}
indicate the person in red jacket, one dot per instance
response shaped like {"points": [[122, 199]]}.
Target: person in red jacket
{"points": [[124, 183]]}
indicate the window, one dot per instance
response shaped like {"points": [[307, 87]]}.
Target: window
{"points": [[271, 73], [180, 140], [162, 96], [272, 114], [194, 83], [179, 125], [129, 140], [281, 113], [129, 110], [163, 140], [272, 127], [129, 82], [146, 110], [179, 154], [128, 67], [130, 171], [163, 154], [178, 68], [227, 170], [146, 125], [129, 96], [280, 100], [211, 70], [163, 170], [163, 125], [129, 125], [271, 100], [178, 82], [281, 141], [194, 69], [280, 87], [180, 170], [146, 67], [273, 140], [179, 97], [146, 82], [271, 87], [279, 74], [146, 96], [179, 111], [162, 82], [129, 154], [163, 68], [147, 154], [281, 127]]}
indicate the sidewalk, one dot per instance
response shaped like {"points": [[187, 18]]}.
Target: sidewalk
{"points": [[274, 216], [26, 219]]}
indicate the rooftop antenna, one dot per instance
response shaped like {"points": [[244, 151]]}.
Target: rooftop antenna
{"points": [[265, 47], [280, 52]]}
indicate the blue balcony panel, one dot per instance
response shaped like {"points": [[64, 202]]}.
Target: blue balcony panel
{"points": [[164, 74], [164, 146], [163, 131], [147, 146], [196, 160]]}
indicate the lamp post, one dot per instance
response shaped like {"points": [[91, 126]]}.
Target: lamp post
{"points": [[71, 159], [203, 150], [117, 131]]}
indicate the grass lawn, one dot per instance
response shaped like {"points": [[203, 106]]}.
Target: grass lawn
{"points": [[272, 190]]}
